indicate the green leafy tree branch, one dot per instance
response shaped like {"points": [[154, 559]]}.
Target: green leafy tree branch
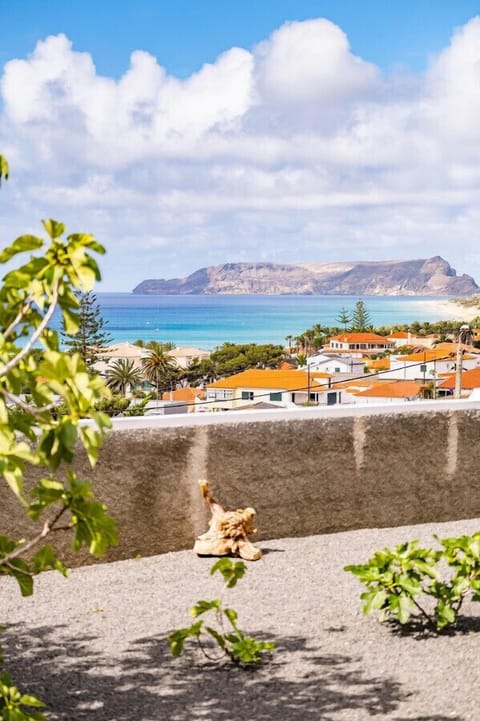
{"points": [[35, 377], [39, 436]]}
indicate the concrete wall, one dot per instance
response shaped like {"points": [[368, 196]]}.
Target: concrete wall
{"points": [[305, 472]]}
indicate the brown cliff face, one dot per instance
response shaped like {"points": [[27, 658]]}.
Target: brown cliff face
{"points": [[431, 276]]}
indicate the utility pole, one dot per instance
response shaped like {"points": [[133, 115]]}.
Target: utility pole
{"points": [[463, 336]]}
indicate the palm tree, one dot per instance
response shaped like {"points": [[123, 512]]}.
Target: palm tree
{"points": [[309, 335], [160, 369], [300, 341], [319, 338], [301, 360], [123, 375], [158, 345]]}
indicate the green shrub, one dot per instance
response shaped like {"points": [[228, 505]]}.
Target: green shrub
{"points": [[232, 642], [401, 581]]}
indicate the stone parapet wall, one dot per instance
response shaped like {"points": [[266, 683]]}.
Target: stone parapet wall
{"points": [[305, 472]]}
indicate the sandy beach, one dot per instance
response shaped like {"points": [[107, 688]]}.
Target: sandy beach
{"points": [[448, 309]]}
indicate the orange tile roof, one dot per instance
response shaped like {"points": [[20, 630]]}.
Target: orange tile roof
{"points": [[452, 347], [184, 394], [470, 379], [367, 382], [380, 364], [429, 354], [392, 389], [360, 338], [289, 380], [400, 335], [286, 366]]}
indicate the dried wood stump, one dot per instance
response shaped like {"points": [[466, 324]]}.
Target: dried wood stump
{"points": [[228, 531]]}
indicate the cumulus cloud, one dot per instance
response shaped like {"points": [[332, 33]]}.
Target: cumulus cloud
{"points": [[306, 75], [453, 91], [294, 150]]}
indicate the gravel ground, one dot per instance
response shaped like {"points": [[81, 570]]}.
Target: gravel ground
{"points": [[93, 646]]}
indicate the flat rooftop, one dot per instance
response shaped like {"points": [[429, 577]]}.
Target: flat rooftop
{"points": [[93, 645]]}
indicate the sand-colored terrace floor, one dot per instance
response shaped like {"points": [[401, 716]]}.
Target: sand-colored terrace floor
{"points": [[93, 646]]}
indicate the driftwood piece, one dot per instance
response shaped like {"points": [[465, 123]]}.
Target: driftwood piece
{"points": [[228, 531]]}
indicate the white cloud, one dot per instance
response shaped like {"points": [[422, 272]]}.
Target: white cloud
{"points": [[296, 150], [306, 74]]}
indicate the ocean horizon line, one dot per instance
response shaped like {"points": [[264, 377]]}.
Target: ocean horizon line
{"points": [[207, 321]]}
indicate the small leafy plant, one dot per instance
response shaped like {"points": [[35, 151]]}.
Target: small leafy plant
{"points": [[14, 706], [400, 581], [232, 642]]}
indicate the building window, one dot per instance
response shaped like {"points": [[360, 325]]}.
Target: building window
{"points": [[337, 370], [220, 395], [247, 395], [275, 396], [423, 368]]}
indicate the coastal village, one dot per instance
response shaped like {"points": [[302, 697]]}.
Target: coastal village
{"points": [[352, 368], [208, 513]]}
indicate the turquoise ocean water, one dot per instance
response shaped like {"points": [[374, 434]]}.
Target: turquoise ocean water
{"points": [[206, 321]]}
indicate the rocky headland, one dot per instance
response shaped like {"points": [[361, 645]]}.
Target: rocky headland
{"points": [[422, 277]]}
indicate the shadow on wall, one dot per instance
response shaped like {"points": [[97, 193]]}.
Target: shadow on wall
{"points": [[145, 683]]}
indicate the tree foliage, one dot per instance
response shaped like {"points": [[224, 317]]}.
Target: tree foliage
{"points": [[344, 318], [4, 171], [164, 346], [123, 375], [91, 338], [160, 369], [233, 358], [199, 371], [34, 374], [446, 329], [361, 320]]}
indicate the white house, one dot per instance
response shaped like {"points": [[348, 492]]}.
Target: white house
{"points": [[184, 356], [335, 364], [359, 344], [115, 352], [427, 365], [403, 338], [282, 388]]}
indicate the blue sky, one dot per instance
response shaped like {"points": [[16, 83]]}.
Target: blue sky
{"points": [[291, 131], [184, 34]]}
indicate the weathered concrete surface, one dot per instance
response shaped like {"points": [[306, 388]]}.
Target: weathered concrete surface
{"points": [[308, 472], [93, 646]]}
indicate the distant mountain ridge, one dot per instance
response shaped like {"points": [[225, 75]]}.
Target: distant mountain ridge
{"points": [[430, 276]]}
